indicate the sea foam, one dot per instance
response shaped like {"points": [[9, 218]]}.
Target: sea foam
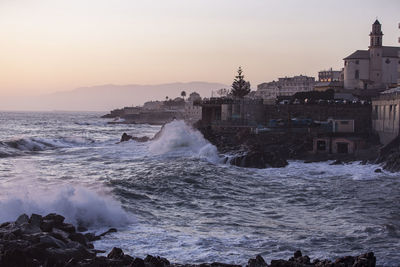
{"points": [[77, 204], [178, 138]]}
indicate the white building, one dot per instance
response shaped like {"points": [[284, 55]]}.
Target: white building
{"points": [[375, 68], [285, 87]]}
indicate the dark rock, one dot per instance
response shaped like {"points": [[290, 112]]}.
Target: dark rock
{"points": [[116, 253], [49, 241], [337, 162], [66, 227], [156, 261], [137, 262], [47, 225], [111, 230], [297, 254], [379, 170], [13, 258], [346, 261], [60, 235], [258, 159], [125, 137], [56, 218], [78, 237], [35, 220], [257, 262], [27, 228], [92, 237], [81, 228], [22, 219]]}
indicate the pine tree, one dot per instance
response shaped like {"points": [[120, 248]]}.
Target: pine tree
{"points": [[240, 87]]}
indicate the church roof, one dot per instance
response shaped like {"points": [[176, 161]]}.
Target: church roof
{"points": [[359, 54], [390, 51], [387, 51]]}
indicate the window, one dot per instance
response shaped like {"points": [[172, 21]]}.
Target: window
{"points": [[357, 62], [387, 61], [357, 75], [321, 145]]}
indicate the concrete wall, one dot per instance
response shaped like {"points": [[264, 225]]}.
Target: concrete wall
{"points": [[385, 117]]}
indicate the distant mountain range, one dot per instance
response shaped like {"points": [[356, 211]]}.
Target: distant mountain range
{"points": [[107, 97]]}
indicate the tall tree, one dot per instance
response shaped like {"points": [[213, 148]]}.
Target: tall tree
{"points": [[240, 87], [183, 94]]}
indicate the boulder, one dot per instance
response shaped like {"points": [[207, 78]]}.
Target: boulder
{"points": [[22, 219], [115, 253], [257, 262], [56, 218]]}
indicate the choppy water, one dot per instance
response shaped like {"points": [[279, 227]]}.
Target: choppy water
{"points": [[172, 197]]}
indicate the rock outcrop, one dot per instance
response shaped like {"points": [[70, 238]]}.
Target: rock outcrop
{"points": [[48, 241]]}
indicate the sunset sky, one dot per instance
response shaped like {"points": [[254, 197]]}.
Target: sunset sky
{"points": [[56, 45]]}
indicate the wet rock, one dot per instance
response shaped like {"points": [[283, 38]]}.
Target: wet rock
{"points": [[92, 237], [81, 228], [257, 262], [337, 162], [137, 262], [109, 231], [78, 237], [22, 219], [48, 241], [125, 137], [66, 227], [297, 254], [35, 220], [258, 159], [379, 170], [47, 225], [56, 218], [152, 261], [116, 253]]}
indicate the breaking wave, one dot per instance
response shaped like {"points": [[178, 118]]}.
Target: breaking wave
{"points": [[78, 205], [22, 146], [178, 139]]}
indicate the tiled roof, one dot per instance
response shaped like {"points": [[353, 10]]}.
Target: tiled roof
{"points": [[390, 51], [359, 54]]}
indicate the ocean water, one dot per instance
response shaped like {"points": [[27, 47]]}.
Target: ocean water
{"points": [[173, 196]]}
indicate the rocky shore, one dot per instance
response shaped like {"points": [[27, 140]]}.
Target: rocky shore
{"points": [[48, 241], [273, 150]]}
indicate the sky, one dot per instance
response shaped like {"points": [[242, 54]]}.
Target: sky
{"points": [[55, 45]]}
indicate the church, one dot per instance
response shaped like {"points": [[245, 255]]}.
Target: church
{"points": [[375, 68]]}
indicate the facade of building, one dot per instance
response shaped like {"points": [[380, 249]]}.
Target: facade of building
{"points": [[375, 68], [385, 116], [287, 86], [330, 75]]}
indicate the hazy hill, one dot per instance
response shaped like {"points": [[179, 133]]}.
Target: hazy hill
{"points": [[107, 97]]}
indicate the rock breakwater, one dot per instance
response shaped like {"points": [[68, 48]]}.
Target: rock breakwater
{"points": [[48, 241]]}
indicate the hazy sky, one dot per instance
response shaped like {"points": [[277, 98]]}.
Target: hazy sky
{"points": [[54, 45]]}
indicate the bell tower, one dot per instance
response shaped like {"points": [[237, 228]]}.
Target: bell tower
{"points": [[375, 55], [376, 35]]}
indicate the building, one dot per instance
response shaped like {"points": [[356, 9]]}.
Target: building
{"points": [[287, 86], [330, 75], [385, 115], [375, 68], [398, 69]]}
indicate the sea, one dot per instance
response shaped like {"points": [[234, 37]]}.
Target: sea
{"points": [[175, 197]]}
